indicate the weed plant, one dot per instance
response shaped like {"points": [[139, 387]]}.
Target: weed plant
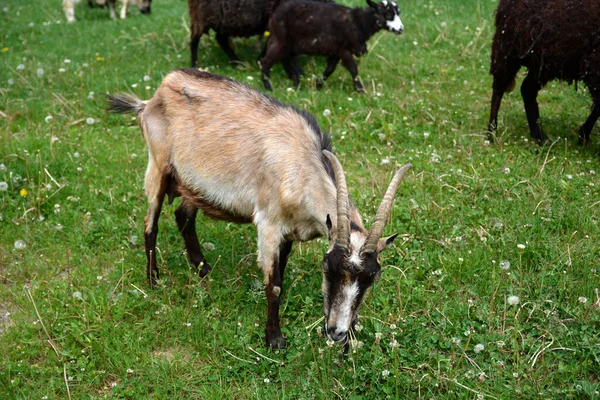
{"points": [[490, 292]]}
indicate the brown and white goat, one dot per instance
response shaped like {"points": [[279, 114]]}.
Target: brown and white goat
{"points": [[143, 5], [245, 157]]}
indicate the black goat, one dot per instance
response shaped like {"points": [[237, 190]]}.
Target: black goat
{"points": [[554, 39], [325, 29]]}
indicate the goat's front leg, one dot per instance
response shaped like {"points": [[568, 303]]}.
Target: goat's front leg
{"points": [[586, 128], [332, 62], [350, 64], [186, 221], [272, 258], [124, 9], [111, 7]]}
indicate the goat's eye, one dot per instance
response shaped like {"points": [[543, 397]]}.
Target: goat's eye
{"points": [[389, 15]]}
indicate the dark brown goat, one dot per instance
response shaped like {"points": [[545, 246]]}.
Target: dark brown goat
{"points": [[325, 29], [554, 39]]}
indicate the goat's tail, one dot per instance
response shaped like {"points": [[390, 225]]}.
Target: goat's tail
{"points": [[124, 103]]}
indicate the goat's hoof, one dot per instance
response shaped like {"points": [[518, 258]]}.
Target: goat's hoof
{"points": [[319, 84], [361, 89], [268, 86], [583, 137], [276, 342]]}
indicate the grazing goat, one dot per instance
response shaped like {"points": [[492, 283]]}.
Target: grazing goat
{"points": [[143, 5], [228, 18], [244, 157], [325, 29], [554, 39]]}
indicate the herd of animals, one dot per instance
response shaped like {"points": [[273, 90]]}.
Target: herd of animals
{"points": [[242, 156]]}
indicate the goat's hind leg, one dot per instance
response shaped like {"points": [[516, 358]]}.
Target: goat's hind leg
{"points": [[290, 65], [156, 183], [186, 221], [350, 64]]}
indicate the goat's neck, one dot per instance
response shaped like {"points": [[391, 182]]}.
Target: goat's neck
{"points": [[367, 22]]}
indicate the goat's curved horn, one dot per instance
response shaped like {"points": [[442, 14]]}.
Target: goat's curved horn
{"points": [[343, 215], [383, 212]]}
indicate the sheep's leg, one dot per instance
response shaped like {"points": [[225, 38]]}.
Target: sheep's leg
{"points": [[332, 62], [350, 64], [504, 81], [186, 221], [291, 69], [225, 44], [586, 129], [156, 187], [529, 90]]}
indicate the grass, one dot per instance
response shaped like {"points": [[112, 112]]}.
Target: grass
{"points": [[78, 320]]}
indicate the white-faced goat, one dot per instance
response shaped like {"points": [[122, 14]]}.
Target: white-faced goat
{"points": [[241, 156], [325, 29], [143, 5]]}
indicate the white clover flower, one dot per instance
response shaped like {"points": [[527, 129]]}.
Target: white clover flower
{"points": [[3, 186], [415, 43], [515, 375], [478, 348], [500, 344], [133, 240], [326, 112], [91, 95], [147, 78], [134, 85], [61, 70], [385, 373], [330, 343], [443, 24], [250, 78], [350, 99], [425, 135], [148, 88], [290, 89], [267, 380], [385, 161], [505, 265], [188, 324], [582, 299], [77, 295], [40, 72], [358, 327], [48, 118], [208, 246], [129, 371], [513, 300], [381, 136], [507, 170], [569, 176], [89, 121], [393, 326], [20, 67], [99, 277], [20, 244], [67, 61], [521, 247]]}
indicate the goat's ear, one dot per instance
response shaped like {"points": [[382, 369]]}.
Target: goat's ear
{"points": [[372, 4], [384, 243]]}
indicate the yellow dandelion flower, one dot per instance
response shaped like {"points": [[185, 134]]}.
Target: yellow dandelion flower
{"points": [[23, 192], [444, 70], [5, 49], [267, 33], [99, 58]]}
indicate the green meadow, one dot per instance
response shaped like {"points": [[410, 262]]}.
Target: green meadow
{"points": [[490, 292]]}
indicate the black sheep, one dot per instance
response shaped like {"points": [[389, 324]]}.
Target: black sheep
{"points": [[554, 39], [228, 18], [325, 29]]}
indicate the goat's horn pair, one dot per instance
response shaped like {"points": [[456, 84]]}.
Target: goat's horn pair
{"points": [[383, 212], [343, 215]]}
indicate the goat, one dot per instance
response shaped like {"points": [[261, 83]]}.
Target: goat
{"points": [[325, 29], [241, 156], [143, 5], [228, 18], [554, 39]]}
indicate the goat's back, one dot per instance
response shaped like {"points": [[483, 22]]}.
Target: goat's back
{"points": [[233, 145]]}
